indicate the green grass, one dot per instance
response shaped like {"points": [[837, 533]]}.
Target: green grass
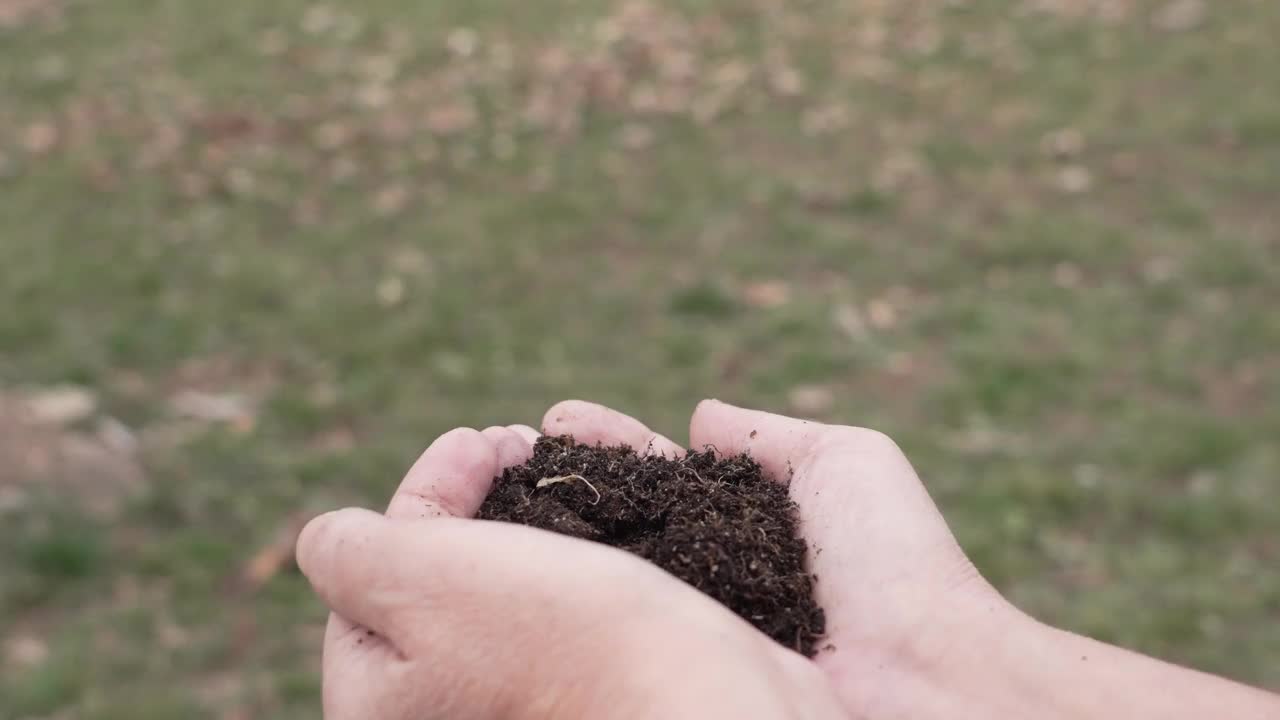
{"points": [[376, 232]]}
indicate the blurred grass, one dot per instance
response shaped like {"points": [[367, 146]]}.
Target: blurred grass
{"points": [[1036, 242]]}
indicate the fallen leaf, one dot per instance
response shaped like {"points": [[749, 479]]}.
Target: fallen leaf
{"points": [[900, 364], [463, 42], [787, 81], [171, 635], [273, 557], [1063, 144], [1159, 269], [848, 319], [767, 294], [273, 42], [1067, 275], [390, 291], [811, 399], [451, 119], [374, 94], [390, 200], [51, 68], [318, 19], [1180, 15], [26, 651], [332, 135], [335, 441], [117, 436], [16, 13], [240, 181], [881, 314], [12, 498], [1075, 179], [211, 407], [39, 138], [1126, 165], [635, 136], [60, 405]]}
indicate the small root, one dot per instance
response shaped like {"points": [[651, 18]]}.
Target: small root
{"points": [[566, 478]]}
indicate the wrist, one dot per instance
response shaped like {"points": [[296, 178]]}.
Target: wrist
{"points": [[1001, 663], [983, 671], [960, 663]]}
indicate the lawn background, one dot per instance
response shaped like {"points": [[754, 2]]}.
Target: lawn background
{"points": [[255, 256]]}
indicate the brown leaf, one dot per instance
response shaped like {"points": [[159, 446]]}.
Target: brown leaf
{"points": [[1067, 275], [635, 136], [390, 291], [767, 294], [274, 557], [16, 13], [1181, 15], [1075, 179], [391, 199], [39, 138], [60, 405], [1063, 144], [463, 42], [848, 319], [881, 314], [26, 651], [451, 119], [811, 399], [212, 407]]}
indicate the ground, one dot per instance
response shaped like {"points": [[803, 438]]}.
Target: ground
{"points": [[252, 260]]}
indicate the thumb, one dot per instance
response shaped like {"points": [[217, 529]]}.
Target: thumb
{"points": [[496, 620], [353, 560]]}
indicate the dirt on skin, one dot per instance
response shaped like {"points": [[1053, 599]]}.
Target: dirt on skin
{"points": [[716, 523]]}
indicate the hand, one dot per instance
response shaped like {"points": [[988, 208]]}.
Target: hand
{"points": [[439, 617], [901, 598], [917, 632]]}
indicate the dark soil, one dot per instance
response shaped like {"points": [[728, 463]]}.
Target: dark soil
{"points": [[717, 524]]}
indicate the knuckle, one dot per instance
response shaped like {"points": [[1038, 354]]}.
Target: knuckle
{"points": [[460, 436], [499, 435], [525, 432], [562, 412]]}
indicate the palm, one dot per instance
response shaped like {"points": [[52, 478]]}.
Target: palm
{"points": [[885, 560]]}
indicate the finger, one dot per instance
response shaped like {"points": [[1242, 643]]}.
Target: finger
{"points": [[590, 423], [529, 434], [857, 494], [852, 465], [347, 556], [510, 446], [777, 442], [452, 477]]}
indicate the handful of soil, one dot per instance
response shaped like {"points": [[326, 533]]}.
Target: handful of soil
{"points": [[717, 524]]}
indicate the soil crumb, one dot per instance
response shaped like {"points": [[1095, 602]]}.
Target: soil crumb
{"points": [[716, 523]]}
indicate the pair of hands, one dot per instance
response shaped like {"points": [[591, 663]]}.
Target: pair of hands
{"points": [[439, 616]]}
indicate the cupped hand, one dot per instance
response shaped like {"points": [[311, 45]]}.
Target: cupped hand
{"points": [[901, 597], [437, 616]]}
